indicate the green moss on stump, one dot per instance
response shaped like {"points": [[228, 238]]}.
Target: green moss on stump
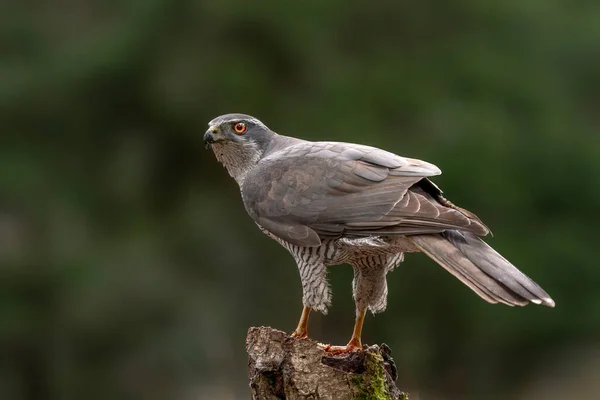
{"points": [[372, 382]]}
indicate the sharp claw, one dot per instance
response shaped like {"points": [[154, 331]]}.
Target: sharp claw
{"points": [[353, 345]]}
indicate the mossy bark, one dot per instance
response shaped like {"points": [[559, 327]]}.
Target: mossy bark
{"points": [[281, 367]]}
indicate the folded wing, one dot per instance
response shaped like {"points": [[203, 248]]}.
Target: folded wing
{"points": [[314, 190]]}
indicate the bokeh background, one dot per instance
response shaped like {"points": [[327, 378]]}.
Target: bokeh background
{"points": [[129, 268]]}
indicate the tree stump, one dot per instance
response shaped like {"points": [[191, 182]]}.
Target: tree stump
{"points": [[282, 367]]}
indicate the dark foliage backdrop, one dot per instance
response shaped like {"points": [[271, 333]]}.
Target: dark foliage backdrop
{"points": [[128, 266]]}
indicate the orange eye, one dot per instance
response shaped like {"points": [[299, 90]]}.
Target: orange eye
{"points": [[240, 127]]}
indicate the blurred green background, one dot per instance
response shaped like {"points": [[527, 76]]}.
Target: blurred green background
{"points": [[129, 268]]}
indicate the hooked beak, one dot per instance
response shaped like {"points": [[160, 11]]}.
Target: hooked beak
{"points": [[210, 136]]}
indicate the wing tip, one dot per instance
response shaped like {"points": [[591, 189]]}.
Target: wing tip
{"points": [[415, 167], [431, 169]]}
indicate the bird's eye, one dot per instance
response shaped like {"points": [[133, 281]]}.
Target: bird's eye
{"points": [[240, 127]]}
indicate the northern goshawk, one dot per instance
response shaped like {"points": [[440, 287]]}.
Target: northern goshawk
{"points": [[330, 203]]}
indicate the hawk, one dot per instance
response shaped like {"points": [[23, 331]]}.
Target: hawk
{"points": [[331, 203]]}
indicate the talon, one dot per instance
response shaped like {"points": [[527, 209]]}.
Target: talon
{"points": [[299, 335], [342, 349], [353, 345]]}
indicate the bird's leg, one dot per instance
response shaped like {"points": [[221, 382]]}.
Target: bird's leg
{"points": [[302, 329], [315, 290], [354, 343]]}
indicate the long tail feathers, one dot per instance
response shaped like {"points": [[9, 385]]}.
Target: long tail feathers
{"points": [[481, 268]]}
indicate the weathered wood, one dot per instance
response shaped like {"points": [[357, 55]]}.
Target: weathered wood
{"points": [[282, 367]]}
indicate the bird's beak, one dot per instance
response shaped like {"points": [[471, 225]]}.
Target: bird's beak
{"points": [[210, 136]]}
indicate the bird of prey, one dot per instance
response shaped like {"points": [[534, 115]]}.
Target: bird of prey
{"points": [[331, 203]]}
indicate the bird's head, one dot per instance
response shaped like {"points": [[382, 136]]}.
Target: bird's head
{"points": [[238, 141]]}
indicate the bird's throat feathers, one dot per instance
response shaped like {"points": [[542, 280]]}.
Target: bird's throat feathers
{"points": [[237, 157]]}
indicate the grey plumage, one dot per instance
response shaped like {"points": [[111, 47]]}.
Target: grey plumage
{"points": [[330, 203]]}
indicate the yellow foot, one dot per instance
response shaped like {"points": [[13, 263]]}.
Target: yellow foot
{"points": [[299, 334], [350, 347]]}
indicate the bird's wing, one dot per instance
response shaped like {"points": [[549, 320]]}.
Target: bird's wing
{"points": [[313, 190]]}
